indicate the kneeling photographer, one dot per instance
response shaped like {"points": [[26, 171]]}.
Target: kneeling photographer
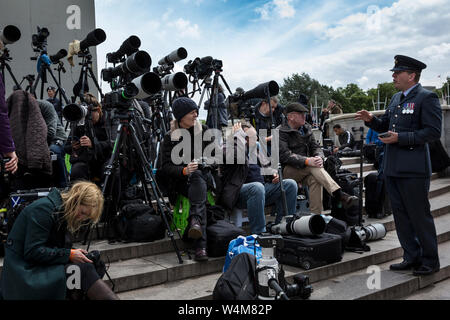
{"points": [[38, 252], [187, 178], [88, 144]]}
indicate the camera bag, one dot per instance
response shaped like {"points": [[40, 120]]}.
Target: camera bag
{"points": [[310, 252], [377, 203], [139, 223], [239, 281], [219, 235]]}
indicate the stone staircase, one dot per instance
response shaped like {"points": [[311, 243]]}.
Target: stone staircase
{"points": [[150, 271]]}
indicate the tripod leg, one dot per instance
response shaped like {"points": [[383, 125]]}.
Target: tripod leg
{"points": [[156, 192]]}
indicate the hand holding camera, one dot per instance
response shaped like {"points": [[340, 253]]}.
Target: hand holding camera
{"points": [[79, 256]]}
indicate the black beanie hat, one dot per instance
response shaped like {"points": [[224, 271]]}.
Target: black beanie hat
{"points": [[182, 106]]}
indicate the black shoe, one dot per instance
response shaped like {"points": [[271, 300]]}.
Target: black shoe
{"points": [[348, 200], [195, 230], [201, 255], [404, 265], [425, 270]]}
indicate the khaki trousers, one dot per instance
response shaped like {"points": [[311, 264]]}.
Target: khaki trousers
{"points": [[316, 179]]}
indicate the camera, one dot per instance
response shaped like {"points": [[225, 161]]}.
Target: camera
{"points": [[5, 174], [98, 263], [135, 65], [128, 47], [94, 38], [371, 232], [202, 68], [271, 284], [204, 163], [39, 39], [348, 154]]}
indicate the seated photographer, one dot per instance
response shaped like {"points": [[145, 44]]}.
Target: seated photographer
{"points": [[187, 178], [88, 154], [38, 251], [302, 159], [346, 139], [244, 186], [262, 117], [56, 138]]}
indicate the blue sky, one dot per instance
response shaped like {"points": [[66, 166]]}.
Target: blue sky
{"points": [[337, 42]]}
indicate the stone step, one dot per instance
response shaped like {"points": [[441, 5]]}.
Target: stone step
{"points": [[392, 284], [437, 291], [121, 251], [355, 168], [382, 251]]}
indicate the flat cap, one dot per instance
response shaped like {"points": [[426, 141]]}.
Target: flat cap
{"points": [[295, 107], [404, 63]]}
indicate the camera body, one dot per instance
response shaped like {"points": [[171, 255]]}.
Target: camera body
{"points": [[5, 174], [98, 263], [39, 39]]}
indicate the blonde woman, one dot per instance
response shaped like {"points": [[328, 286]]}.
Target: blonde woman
{"points": [[38, 250]]}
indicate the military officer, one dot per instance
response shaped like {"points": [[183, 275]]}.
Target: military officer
{"points": [[412, 120]]}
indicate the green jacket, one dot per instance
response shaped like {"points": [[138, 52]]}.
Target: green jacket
{"points": [[36, 253]]}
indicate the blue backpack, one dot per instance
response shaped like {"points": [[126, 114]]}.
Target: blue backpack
{"points": [[242, 244]]}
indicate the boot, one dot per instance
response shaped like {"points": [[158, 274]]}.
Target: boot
{"points": [[100, 291]]}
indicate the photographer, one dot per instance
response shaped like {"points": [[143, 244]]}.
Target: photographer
{"points": [[56, 137], [263, 119], [51, 92], [89, 150], [244, 186], [38, 251], [186, 178], [346, 139], [222, 112], [302, 159]]}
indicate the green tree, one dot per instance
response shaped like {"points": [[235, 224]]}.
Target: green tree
{"points": [[296, 84], [387, 90]]}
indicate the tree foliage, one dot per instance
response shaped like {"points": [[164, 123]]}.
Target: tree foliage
{"points": [[352, 98]]}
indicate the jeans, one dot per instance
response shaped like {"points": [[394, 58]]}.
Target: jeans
{"points": [[255, 196]]}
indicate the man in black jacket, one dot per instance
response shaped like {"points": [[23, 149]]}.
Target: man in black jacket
{"points": [[345, 137], [412, 120], [180, 172], [302, 159]]}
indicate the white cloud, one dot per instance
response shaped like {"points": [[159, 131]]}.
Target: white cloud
{"points": [[186, 29], [282, 8]]}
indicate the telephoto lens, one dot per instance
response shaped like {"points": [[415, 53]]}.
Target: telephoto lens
{"points": [[94, 38], [147, 84], [262, 90], [174, 56], [304, 226], [371, 232], [128, 47], [173, 82], [58, 56], [10, 34], [135, 65], [75, 112]]}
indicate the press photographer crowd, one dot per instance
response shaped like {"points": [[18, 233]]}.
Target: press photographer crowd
{"points": [[137, 165]]}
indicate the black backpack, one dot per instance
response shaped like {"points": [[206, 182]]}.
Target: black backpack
{"points": [[239, 281], [138, 222]]}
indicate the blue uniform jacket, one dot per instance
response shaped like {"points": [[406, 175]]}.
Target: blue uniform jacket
{"points": [[418, 120]]}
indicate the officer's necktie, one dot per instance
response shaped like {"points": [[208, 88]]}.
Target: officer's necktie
{"points": [[402, 97]]}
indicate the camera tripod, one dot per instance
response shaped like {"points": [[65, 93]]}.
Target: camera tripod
{"points": [[42, 76], [212, 92], [4, 64], [127, 134], [82, 85]]}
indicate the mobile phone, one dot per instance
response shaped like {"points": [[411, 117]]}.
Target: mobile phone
{"points": [[384, 135]]}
